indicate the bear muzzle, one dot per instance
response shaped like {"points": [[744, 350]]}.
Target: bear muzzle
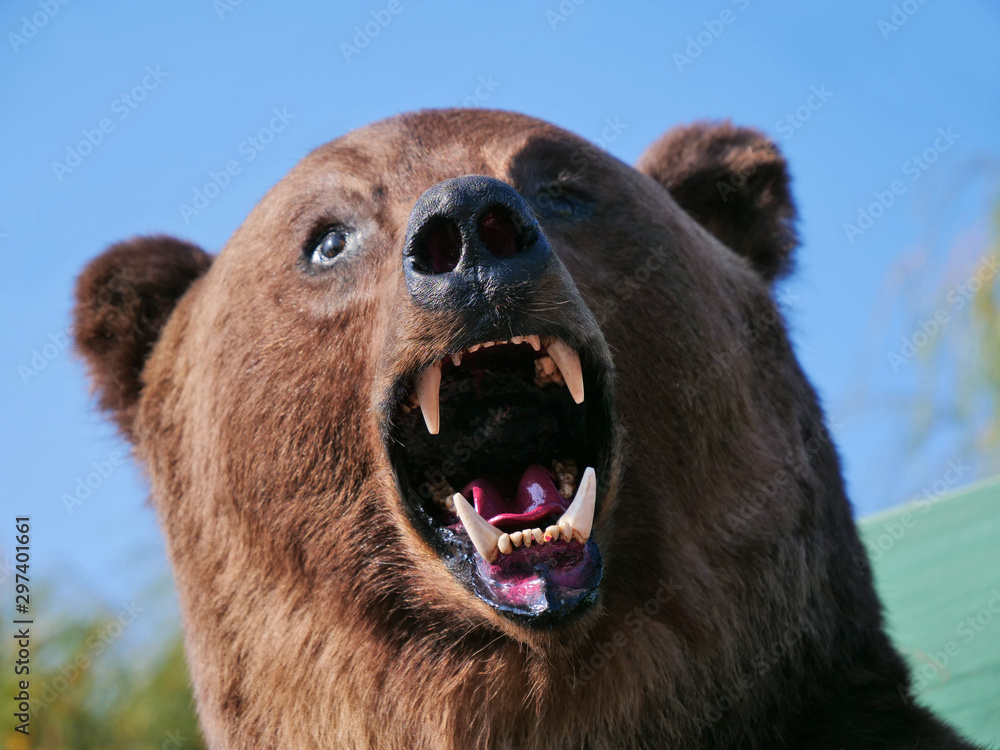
{"points": [[500, 428]]}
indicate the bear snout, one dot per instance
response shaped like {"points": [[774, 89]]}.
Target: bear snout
{"points": [[473, 242]]}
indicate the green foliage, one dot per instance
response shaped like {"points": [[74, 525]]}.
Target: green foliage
{"points": [[960, 371], [89, 689], [933, 358]]}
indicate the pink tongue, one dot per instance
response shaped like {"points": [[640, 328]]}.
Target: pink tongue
{"points": [[536, 497]]}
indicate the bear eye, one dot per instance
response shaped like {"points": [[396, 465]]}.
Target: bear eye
{"points": [[329, 247], [558, 202], [560, 205]]}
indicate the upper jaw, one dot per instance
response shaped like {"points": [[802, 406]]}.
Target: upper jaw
{"points": [[486, 414]]}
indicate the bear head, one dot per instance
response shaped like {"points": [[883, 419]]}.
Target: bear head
{"points": [[474, 436]]}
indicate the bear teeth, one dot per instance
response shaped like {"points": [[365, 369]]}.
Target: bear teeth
{"points": [[484, 535], [567, 360], [428, 394], [576, 523], [560, 366], [578, 520]]}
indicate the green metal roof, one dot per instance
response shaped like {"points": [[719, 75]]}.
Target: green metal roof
{"points": [[937, 568]]}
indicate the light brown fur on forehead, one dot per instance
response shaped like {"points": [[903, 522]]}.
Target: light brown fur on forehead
{"points": [[409, 153]]}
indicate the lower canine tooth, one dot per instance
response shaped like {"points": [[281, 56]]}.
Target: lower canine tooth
{"points": [[484, 535], [578, 520], [428, 392], [568, 361]]}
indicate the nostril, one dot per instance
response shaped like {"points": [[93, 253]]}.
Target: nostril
{"points": [[498, 233], [441, 246]]}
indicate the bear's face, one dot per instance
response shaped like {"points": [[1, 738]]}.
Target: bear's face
{"points": [[380, 275], [463, 384]]}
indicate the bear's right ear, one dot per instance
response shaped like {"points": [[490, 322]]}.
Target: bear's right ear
{"points": [[123, 299], [734, 182]]}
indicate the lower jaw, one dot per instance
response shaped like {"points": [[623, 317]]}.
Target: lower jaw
{"points": [[541, 584]]}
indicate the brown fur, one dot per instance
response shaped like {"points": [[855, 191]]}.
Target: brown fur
{"points": [[123, 300], [736, 605], [734, 181]]}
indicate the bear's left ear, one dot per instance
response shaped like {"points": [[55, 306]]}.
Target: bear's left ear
{"points": [[123, 299], [734, 182]]}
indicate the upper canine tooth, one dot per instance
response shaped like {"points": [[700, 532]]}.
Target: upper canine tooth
{"points": [[579, 516], [484, 535], [428, 391], [567, 360], [535, 341]]}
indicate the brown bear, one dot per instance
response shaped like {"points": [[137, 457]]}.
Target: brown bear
{"points": [[473, 436]]}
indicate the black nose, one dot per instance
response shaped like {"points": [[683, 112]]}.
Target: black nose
{"points": [[472, 240]]}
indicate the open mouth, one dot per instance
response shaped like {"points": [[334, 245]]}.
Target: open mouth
{"points": [[498, 449]]}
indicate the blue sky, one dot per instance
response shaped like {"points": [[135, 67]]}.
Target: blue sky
{"points": [[174, 91]]}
